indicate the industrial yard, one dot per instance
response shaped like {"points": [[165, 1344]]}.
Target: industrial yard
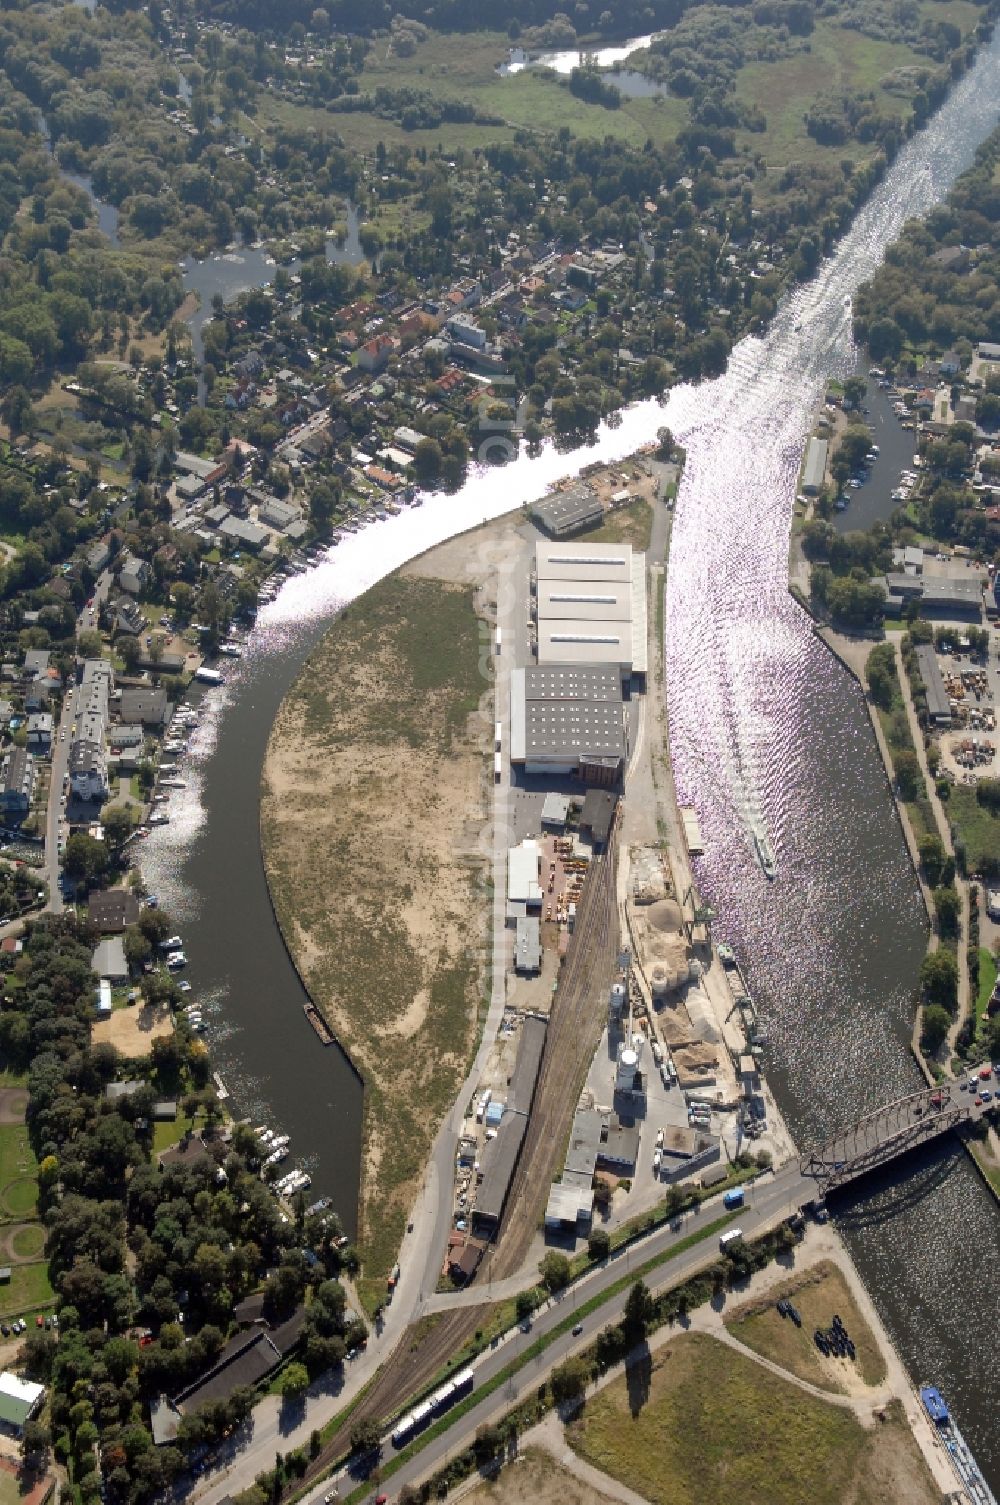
{"points": [[628, 1055]]}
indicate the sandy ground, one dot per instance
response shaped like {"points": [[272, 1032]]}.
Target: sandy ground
{"points": [[374, 856], [535, 1478], [132, 1031]]}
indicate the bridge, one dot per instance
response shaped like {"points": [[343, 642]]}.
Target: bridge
{"points": [[890, 1131]]}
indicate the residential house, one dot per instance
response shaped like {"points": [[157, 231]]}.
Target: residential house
{"points": [[465, 331], [17, 781], [144, 706], [109, 959], [374, 356], [88, 768], [40, 733], [134, 576], [278, 514]]}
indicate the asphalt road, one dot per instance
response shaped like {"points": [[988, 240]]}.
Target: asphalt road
{"points": [[86, 621], [769, 1202]]}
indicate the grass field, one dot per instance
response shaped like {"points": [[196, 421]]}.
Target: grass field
{"points": [[818, 1294], [632, 524], [537, 1480], [702, 1425], [18, 1187], [373, 788], [27, 1288], [28, 1242], [977, 828]]}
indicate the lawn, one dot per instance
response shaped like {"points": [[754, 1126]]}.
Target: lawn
{"points": [[702, 1425], [27, 1289], [166, 1135], [818, 1294], [18, 1187], [975, 827]]}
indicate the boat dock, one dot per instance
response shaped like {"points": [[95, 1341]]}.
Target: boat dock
{"points": [[974, 1487], [692, 831]]}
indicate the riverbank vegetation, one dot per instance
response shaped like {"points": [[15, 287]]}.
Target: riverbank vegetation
{"points": [[372, 791]]}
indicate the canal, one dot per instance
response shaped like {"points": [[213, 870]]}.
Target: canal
{"points": [[765, 727]]}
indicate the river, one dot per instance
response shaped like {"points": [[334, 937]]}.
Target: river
{"points": [[764, 726]]}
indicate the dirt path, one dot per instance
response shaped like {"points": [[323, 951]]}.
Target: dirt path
{"points": [[13, 1103]]}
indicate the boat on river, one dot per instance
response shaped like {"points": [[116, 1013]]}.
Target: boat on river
{"points": [[319, 1024], [765, 853], [959, 1453]]}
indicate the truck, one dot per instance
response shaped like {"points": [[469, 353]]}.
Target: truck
{"points": [[734, 1198]]}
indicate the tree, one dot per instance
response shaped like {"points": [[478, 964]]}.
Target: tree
{"points": [[569, 1381], [555, 1271], [84, 857], [366, 1436], [855, 388], [936, 1024], [117, 823], [427, 460], [932, 858], [89, 645], [909, 778], [599, 1244], [949, 912], [35, 1444], [939, 979], [524, 1304], [294, 1382], [638, 1313]]}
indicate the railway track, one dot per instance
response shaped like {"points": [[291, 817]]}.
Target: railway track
{"points": [[575, 1025]]}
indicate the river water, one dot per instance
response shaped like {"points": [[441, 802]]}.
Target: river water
{"points": [[764, 727]]}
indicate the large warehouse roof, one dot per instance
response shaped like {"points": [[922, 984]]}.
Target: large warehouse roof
{"points": [[610, 601], [572, 640], [566, 715], [572, 682], [591, 605], [583, 561]]}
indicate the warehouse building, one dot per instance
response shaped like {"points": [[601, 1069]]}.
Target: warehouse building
{"points": [[567, 512], [815, 471], [502, 1153], [938, 704], [568, 720], [591, 605]]}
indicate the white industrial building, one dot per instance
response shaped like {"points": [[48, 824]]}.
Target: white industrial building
{"points": [[20, 1400], [591, 605], [523, 869]]}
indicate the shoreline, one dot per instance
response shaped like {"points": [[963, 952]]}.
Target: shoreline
{"points": [[852, 654]]}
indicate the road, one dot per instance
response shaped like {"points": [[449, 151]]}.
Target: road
{"points": [[85, 622], [769, 1202]]}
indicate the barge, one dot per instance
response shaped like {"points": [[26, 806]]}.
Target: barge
{"points": [[319, 1024]]}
